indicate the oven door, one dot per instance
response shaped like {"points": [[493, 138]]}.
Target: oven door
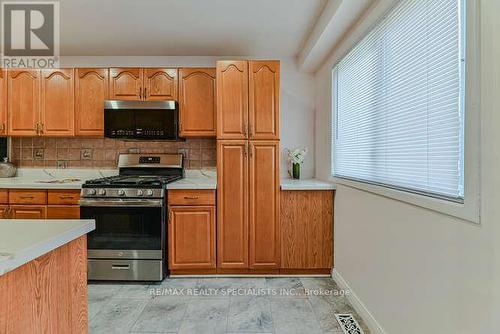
{"points": [[125, 228]]}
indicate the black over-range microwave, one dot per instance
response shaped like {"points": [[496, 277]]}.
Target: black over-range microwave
{"points": [[141, 120]]}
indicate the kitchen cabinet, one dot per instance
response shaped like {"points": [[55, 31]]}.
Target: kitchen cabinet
{"points": [[197, 102], [91, 90], [232, 99], [191, 230], [232, 204], [125, 83], [264, 90], [160, 84], [307, 231], [135, 83], [39, 204], [264, 213], [57, 102], [3, 102], [23, 102], [27, 212]]}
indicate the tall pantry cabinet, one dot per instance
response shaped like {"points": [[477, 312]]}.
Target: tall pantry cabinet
{"points": [[248, 149]]}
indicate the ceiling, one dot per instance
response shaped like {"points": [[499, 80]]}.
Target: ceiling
{"points": [[257, 28]]}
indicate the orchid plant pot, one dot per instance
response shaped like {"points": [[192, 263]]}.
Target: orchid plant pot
{"points": [[296, 171]]}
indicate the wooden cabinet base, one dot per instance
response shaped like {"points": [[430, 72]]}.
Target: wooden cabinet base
{"points": [[48, 294], [257, 272]]}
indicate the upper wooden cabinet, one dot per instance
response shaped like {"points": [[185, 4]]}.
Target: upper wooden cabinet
{"points": [[197, 102], [57, 102], [264, 205], [125, 83], [3, 102], [91, 89], [23, 102], [248, 95], [232, 204], [133, 83], [264, 99], [232, 99], [160, 84]]}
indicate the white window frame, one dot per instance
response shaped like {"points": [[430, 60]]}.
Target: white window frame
{"points": [[469, 210]]}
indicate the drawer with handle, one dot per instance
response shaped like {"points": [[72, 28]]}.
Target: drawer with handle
{"points": [[63, 197], [191, 197], [18, 196]]}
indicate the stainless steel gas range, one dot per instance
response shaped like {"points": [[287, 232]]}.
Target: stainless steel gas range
{"points": [[130, 210]]}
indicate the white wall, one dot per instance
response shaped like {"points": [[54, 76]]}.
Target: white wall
{"points": [[419, 271], [297, 96]]}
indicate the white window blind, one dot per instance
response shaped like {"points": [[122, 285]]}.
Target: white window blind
{"points": [[398, 102]]}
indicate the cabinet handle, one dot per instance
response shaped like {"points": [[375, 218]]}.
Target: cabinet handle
{"points": [[191, 197], [245, 151], [41, 128], [37, 130], [140, 92], [145, 93], [27, 197], [66, 197], [245, 128], [251, 151], [2, 127]]}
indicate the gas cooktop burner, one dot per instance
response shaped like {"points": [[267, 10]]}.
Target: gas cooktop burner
{"points": [[133, 181]]}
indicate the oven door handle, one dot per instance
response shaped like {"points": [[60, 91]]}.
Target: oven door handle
{"points": [[96, 202]]}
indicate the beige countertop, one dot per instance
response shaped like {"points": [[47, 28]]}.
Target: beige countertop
{"points": [[306, 184]]}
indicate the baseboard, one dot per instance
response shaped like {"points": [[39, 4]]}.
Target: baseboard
{"points": [[358, 305]]}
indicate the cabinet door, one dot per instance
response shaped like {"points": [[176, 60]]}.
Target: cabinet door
{"points": [[125, 84], [197, 102], [91, 89], [23, 102], [3, 102], [63, 212], [28, 212], [264, 100], [160, 84], [264, 205], [4, 212], [232, 100], [57, 102], [232, 204], [191, 237]]}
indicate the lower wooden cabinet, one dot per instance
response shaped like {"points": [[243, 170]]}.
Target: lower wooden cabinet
{"points": [[27, 212], [63, 212], [39, 204], [192, 237], [307, 231]]}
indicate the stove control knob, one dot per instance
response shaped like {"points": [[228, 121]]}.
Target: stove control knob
{"points": [[149, 192], [102, 192], [91, 192], [140, 192], [121, 192]]}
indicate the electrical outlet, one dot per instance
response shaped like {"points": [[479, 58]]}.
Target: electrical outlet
{"points": [[62, 164], [38, 154], [86, 154]]}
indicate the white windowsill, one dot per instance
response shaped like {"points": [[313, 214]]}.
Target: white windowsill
{"points": [[468, 211]]}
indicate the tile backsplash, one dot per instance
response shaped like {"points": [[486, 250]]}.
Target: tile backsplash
{"points": [[103, 153]]}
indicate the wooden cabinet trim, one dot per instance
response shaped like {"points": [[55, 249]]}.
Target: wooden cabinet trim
{"points": [[3, 102]]}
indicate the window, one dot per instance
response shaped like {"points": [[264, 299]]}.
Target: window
{"points": [[398, 102]]}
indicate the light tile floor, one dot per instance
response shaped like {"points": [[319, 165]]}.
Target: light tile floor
{"points": [[219, 305]]}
